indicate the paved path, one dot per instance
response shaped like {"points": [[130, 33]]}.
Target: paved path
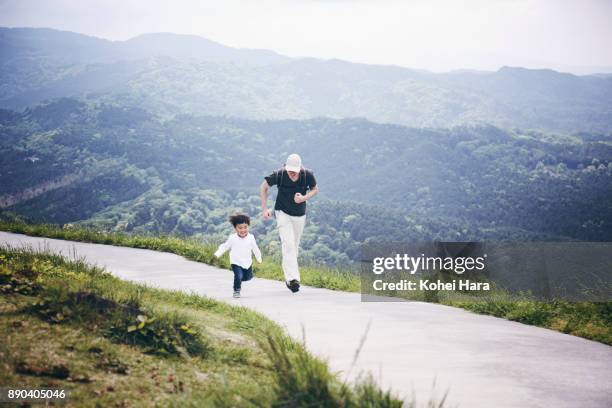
{"points": [[486, 362]]}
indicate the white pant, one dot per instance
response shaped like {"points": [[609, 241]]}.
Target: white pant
{"points": [[290, 230]]}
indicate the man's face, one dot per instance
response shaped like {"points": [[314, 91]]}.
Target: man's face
{"points": [[293, 175], [242, 230]]}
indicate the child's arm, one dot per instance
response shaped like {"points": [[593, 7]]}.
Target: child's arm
{"points": [[256, 250], [224, 247]]}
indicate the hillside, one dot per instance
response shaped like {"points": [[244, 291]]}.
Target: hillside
{"points": [[72, 326], [171, 74], [449, 340], [127, 169]]}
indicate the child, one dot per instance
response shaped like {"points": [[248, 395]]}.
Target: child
{"points": [[240, 245]]}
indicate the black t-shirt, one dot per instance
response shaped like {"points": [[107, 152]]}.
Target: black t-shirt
{"points": [[287, 189]]}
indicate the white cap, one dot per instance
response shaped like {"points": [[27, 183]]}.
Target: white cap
{"points": [[293, 163]]}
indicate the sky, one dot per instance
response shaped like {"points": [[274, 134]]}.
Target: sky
{"points": [[436, 35]]}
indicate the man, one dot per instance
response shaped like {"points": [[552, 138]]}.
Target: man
{"points": [[295, 186]]}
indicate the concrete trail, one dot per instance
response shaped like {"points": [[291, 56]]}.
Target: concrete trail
{"points": [[485, 361]]}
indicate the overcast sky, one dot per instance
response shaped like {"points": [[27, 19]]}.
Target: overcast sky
{"points": [[438, 35]]}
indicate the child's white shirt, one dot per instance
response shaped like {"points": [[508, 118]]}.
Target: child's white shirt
{"points": [[240, 250]]}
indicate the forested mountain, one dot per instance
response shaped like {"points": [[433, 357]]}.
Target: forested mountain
{"points": [[121, 167], [169, 74], [167, 133]]}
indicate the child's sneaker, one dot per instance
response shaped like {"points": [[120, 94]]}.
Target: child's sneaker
{"points": [[236, 293], [293, 285]]}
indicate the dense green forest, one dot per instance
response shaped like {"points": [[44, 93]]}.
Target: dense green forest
{"points": [[125, 168]]}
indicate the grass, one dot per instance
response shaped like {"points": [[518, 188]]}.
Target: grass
{"points": [[66, 324], [194, 250], [590, 320], [587, 319], [302, 381]]}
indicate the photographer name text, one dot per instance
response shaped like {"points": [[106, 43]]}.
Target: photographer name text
{"points": [[427, 284]]}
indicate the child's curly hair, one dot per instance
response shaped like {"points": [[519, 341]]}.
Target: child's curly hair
{"points": [[239, 219]]}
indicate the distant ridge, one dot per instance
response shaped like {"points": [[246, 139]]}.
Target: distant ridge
{"points": [[172, 74], [79, 48]]}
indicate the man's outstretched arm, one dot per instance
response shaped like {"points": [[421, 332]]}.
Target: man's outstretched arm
{"points": [[263, 189]]}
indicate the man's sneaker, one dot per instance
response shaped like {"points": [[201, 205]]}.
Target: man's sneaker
{"points": [[236, 293], [294, 285]]}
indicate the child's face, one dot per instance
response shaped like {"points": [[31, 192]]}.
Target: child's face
{"points": [[242, 230]]}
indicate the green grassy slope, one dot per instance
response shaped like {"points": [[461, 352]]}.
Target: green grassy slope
{"points": [[109, 342]]}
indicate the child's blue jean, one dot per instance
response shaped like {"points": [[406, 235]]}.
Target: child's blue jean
{"points": [[241, 275]]}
